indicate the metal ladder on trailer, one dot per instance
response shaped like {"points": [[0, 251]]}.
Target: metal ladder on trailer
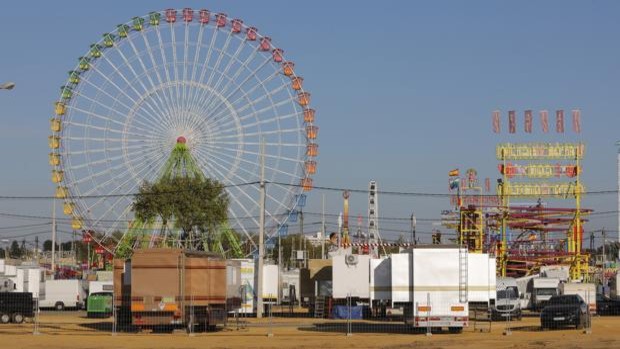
{"points": [[463, 274]]}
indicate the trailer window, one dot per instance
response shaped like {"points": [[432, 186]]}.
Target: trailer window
{"points": [[546, 292]]}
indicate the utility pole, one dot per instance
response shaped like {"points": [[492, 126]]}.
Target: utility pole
{"points": [[604, 255], [618, 161], [261, 235], [36, 248], [323, 234], [303, 237], [53, 237], [413, 226]]}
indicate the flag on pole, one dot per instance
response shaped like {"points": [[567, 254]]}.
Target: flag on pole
{"points": [[559, 121], [512, 121], [544, 120], [454, 173], [496, 121], [576, 120], [528, 121], [454, 183]]}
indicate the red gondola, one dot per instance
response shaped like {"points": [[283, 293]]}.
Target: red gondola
{"points": [[171, 15], [236, 25], [188, 14], [220, 20], [251, 34], [204, 16], [277, 55], [265, 44]]}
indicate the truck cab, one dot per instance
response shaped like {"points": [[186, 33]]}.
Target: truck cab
{"points": [[507, 302], [542, 290]]}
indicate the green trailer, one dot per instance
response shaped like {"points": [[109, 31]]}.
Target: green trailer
{"points": [[99, 305]]}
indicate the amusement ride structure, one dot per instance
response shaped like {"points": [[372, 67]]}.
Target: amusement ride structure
{"points": [[527, 236], [186, 86]]}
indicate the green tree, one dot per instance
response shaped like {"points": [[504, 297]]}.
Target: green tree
{"points": [[196, 205], [15, 251], [47, 245]]}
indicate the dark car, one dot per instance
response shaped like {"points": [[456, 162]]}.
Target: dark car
{"points": [[606, 305], [567, 310]]}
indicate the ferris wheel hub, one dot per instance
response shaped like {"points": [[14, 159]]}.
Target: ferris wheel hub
{"points": [[181, 140]]}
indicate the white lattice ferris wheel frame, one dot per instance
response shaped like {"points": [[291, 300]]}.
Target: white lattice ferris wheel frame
{"points": [[132, 100]]}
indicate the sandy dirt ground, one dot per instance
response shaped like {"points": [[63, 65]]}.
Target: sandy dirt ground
{"points": [[73, 330]]}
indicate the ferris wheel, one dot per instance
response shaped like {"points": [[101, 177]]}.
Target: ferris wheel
{"points": [[214, 82]]}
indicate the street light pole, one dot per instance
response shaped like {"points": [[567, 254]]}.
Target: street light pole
{"points": [[618, 164]]}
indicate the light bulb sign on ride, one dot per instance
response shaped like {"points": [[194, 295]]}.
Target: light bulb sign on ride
{"points": [[210, 81]]}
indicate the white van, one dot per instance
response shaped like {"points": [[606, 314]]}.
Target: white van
{"points": [[61, 294]]}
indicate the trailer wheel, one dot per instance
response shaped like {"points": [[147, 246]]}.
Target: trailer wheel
{"points": [[18, 318], [5, 318], [59, 306], [455, 329]]}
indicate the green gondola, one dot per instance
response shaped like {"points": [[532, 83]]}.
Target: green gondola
{"points": [[108, 40], [154, 18], [95, 51], [67, 92], [123, 30], [84, 63], [74, 77], [138, 23], [99, 304]]}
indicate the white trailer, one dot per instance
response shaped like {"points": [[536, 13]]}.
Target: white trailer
{"points": [[542, 290], [100, 286], [615, 285], [351, 276], [586, 291], [431, 283], [61, 294], [481, 280]]}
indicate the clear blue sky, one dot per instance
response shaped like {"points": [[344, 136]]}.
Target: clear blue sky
{"points": [[403, 90]]}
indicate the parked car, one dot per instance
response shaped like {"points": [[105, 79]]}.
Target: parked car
{"points": [[606, 305], [567, 310], [15, 307]]}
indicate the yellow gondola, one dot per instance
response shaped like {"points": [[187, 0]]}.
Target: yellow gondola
{"points": [[55, 124], [53, 142], [57, 176]]}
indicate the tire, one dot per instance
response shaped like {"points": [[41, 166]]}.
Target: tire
{"points": [[5, 318], [455, 330], [17, 318], [60, 306]]}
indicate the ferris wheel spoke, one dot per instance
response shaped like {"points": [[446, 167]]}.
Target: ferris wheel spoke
{"points": [[236, 200], [105, 129], [205, 67], [155, 107], [243, 66], [215, 68], [122, 92], [224, 73], [149, 50], [165, 64], [263, 133], [110, 119], [164, 105], [250, 102], [141, 167], [238, 88], [253, 176], [176, 71]]}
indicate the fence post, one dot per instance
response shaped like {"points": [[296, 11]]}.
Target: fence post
{"points": [[429, 331], [588, 323], [507, 330], [114, 314], [36, 317], [192, 317], [270, 334], [349, 327]]}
